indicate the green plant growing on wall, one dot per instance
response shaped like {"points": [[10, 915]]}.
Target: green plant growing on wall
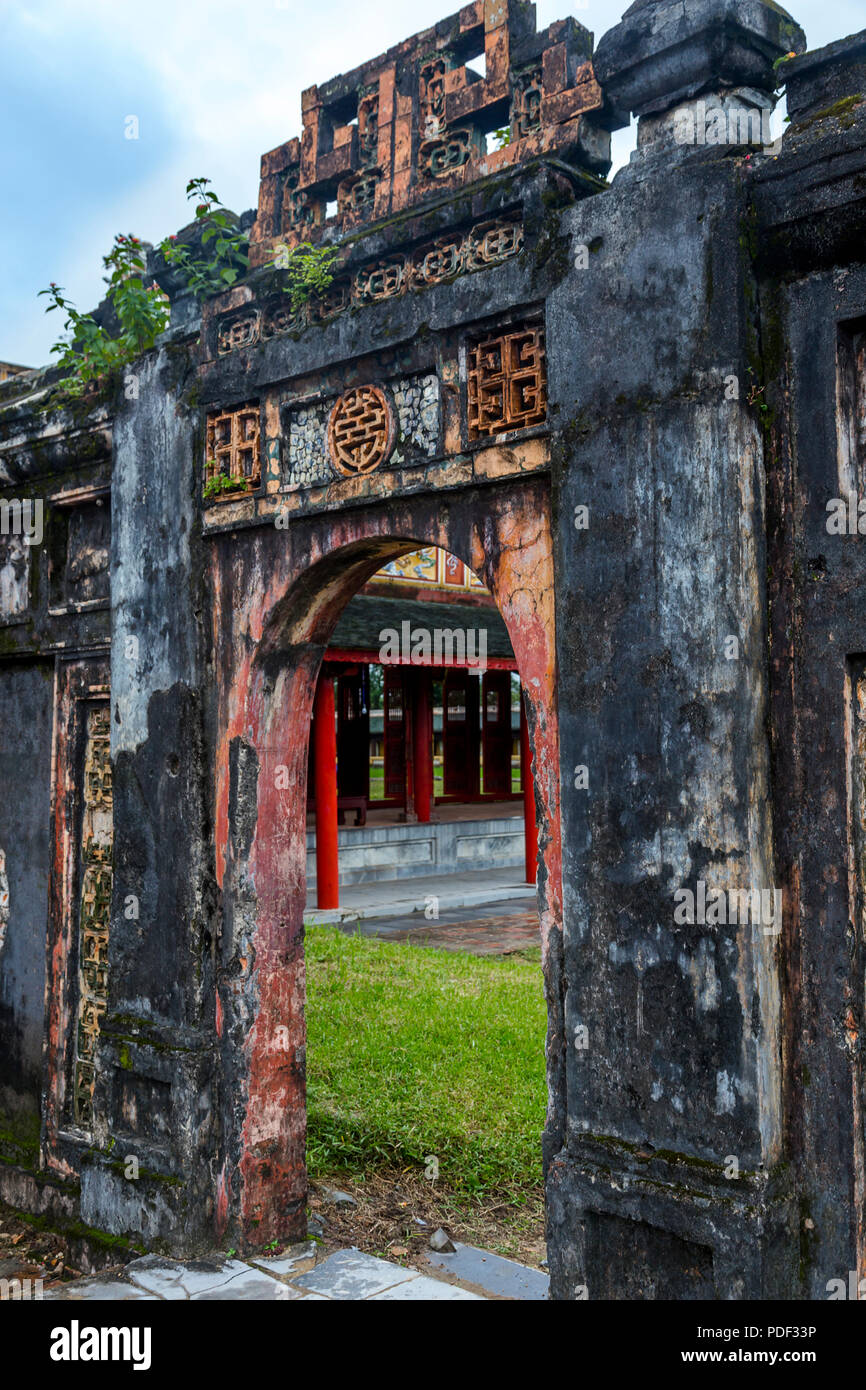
{"points": [[89, 352], [220, 484], [226, 259], [309, 271]]}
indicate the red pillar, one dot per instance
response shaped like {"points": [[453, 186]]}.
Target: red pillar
{"points": [[530, 829], [325, 740], [423, 746]]}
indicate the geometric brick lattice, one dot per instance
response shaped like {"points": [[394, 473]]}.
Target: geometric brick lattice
{"points": [[414, 123], [361, 430], [96, 879], [488, 243], [233, 448], [507, 384]]}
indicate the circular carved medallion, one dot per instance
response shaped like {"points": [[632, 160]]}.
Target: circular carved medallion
{"points": [[360, 430]]}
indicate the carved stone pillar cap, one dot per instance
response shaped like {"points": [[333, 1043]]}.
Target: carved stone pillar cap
{"points": [[664, 51]]}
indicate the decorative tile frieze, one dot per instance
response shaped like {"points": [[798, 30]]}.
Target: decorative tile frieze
{"points": [[238, 330], [278, 318], [307, 463], [439, 158], [491, 243], [335, 299], [358, 193], [440, 262], [484, 245], [381, 280], [415, 402]]}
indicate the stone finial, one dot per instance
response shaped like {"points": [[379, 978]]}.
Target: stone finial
{"points": [[666, 51]]}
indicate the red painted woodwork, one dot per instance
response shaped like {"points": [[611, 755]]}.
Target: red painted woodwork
{"points": [[423, 744], [530, 828], [325, 780], [460, 733], [496, 732], [394, 736], [353, 734]]}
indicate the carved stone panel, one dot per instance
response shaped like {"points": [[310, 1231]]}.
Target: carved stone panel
{"points": [[233, 448], [361, 430], [97, 836], [507, 382]]}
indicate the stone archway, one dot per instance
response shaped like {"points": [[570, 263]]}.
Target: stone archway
{"points": [[277, 598]]}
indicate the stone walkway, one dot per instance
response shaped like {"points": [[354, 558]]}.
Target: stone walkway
{"points": [[404, 897], [306, 1272], [493, 934]]}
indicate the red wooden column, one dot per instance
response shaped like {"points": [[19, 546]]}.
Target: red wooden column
{"points": [[325, 783], [422, 730], [530, 829]]}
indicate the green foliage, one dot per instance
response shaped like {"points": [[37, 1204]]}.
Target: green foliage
{"points": [[413, 1052], [89, 351], [502, 137], [227, 257], [221, 483], [309, 271]]}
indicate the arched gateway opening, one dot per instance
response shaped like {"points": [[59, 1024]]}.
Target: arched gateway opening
{"points": [[284, 627], [418, 765]]}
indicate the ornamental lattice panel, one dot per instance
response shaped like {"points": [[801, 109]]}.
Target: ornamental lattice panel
{"points": [[97, 839], [233, 447], [507, 383], [361, 430]]}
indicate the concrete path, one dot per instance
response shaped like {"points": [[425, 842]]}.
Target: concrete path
{"points": [[407, 896], [303, 1272]]}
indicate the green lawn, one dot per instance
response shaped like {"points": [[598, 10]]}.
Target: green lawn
{"points": [[414, 1052], [377, 779]]}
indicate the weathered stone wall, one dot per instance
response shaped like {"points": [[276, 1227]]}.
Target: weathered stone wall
{"points": [[26, 715]]}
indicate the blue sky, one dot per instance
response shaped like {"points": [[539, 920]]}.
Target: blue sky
{"points": [[213, 84]]}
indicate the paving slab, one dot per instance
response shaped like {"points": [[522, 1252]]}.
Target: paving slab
{"points": [[493, 1273], [290, 1262], [174, 1279], [98, 1290], [350, 1275], [251, 1284], [425, 1290]]}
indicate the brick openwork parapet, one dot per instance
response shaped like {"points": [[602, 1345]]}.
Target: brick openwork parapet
{"points": [[420, 121]]}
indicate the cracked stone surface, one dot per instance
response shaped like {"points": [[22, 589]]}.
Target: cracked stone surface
{"points": [[305, 1271], [493, 1273], [350, 1275]]}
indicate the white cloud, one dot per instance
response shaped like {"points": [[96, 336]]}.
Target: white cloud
{"points": [[230, 77]]}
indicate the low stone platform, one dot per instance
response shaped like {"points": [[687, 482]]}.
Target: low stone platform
{"points": [[386, 849], [405, 897]]}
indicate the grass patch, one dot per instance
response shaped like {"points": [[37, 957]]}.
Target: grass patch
{"points": [[414, 1052]]}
